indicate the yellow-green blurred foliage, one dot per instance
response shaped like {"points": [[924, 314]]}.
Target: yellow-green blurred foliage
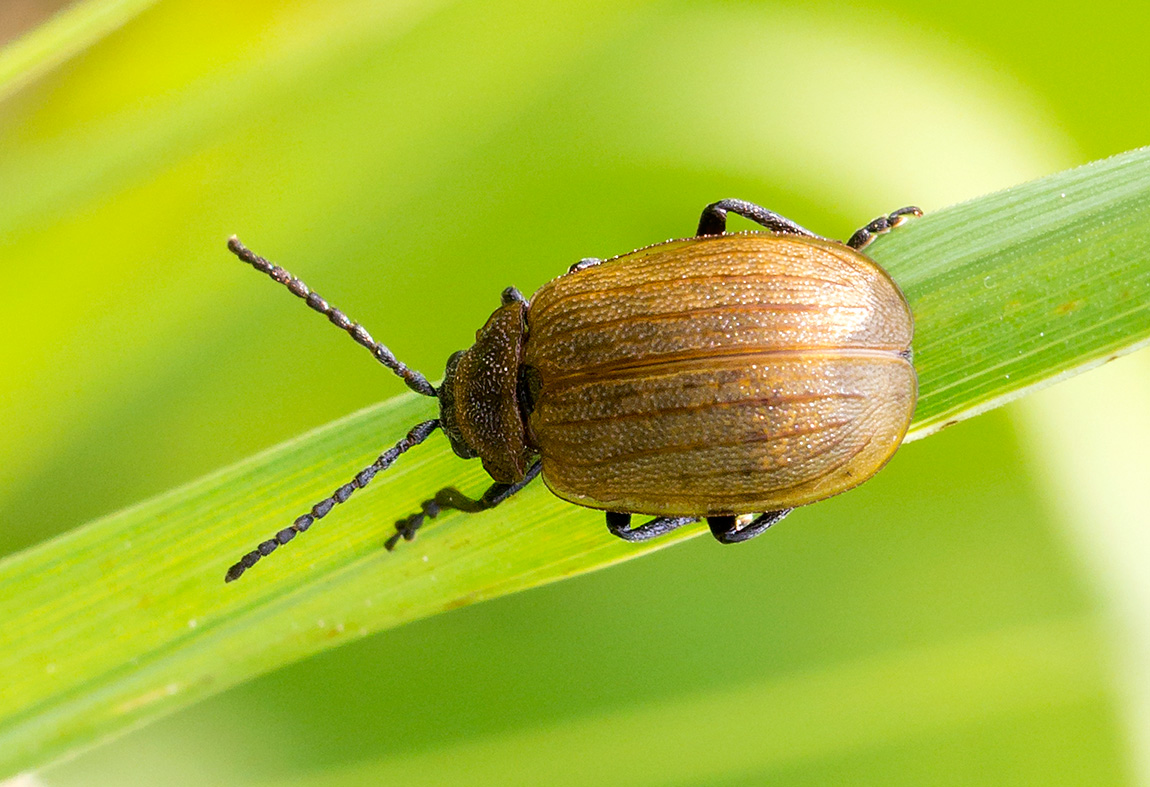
{"points": [[973, 615]]}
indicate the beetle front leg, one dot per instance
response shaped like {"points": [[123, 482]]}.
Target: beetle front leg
{"points": [[451, 498], [883, 224], [714, 218], [726, 529], [620, 525], [586, 262], [511, 295]]}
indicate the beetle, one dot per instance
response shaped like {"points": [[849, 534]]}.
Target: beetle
{"points": [[729, 377]]}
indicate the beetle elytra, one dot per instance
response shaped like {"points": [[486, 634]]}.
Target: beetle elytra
{"points": [[729, 377]]}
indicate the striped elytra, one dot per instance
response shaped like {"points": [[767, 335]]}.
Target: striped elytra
{"points": [[725, 375], [728, 376]]}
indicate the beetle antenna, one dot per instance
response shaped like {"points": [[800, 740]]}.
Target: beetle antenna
{"points": [[415, 381], [417, 435]]}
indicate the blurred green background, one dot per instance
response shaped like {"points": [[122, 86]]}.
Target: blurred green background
{"points": [[976, 614]]}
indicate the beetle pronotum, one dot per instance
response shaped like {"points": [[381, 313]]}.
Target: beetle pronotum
{"points": [[728, 376]]}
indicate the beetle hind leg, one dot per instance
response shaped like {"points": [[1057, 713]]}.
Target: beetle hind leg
{"points": [[620, 525], [726, 529], [882, 225], [451, 498]]}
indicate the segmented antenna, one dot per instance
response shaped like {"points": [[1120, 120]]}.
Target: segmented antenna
{"points": [[415, 381], [417, 435]]}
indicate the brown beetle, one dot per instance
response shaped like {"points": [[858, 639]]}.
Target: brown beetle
{"points": [[729, 376]]}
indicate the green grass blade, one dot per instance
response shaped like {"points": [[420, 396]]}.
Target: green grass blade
{"points": [[1015, 290], [63, 36], [128, 618]]}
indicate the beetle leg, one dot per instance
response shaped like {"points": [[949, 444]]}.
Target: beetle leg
{"points": [[620, 525], [512, 295], [714, 218], [586, 262], [883, 224], [451, 498], [727, 531]]}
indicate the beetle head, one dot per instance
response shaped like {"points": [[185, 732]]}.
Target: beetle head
{"points": [[479, 398]]}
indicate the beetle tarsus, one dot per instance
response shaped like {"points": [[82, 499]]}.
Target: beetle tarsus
{"points": [[883, 224], [714, 218], [451, 498], [620, 525], [726, 529]]}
